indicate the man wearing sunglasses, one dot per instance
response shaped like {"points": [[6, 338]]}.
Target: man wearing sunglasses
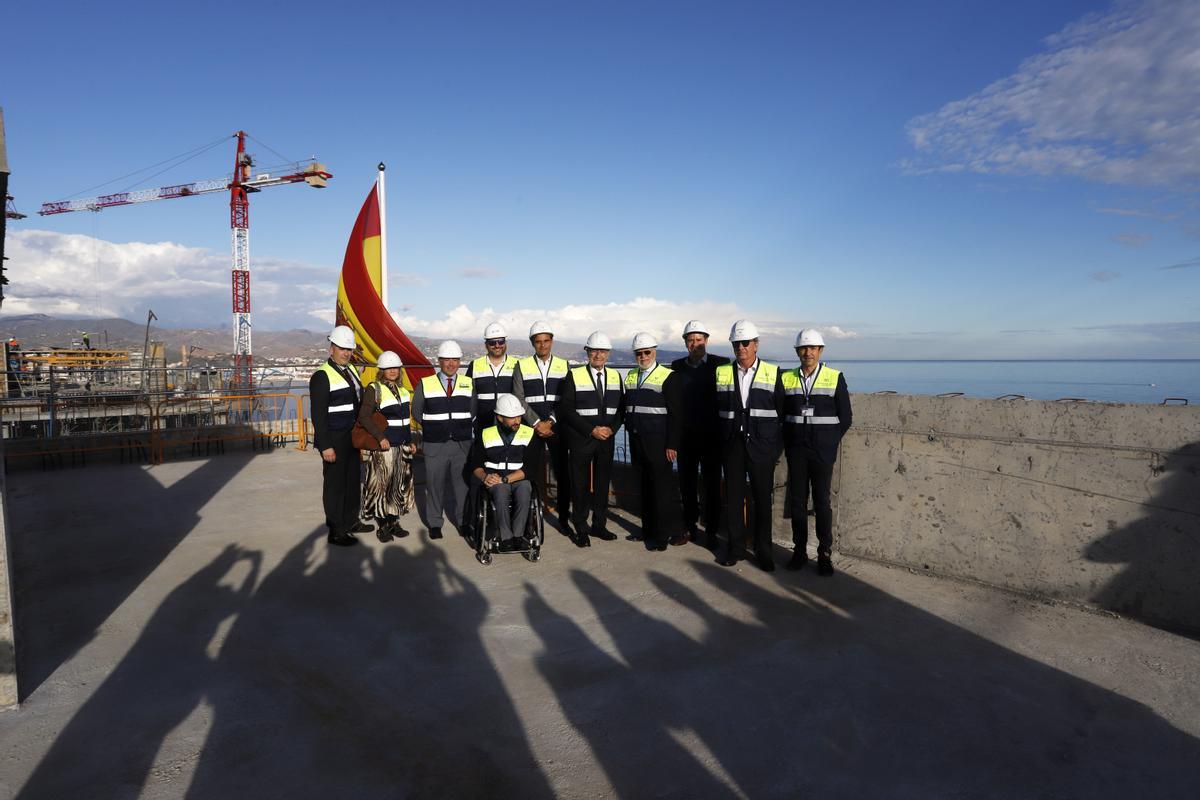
{"points": [[750, 402], [653, 413], [492, 375]]}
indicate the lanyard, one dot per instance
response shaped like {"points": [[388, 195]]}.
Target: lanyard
{"points": [[804, 385], [497, 370]]}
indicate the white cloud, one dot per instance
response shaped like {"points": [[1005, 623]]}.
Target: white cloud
{"points": [[65, 274], [480, 273], [620, 320], [1115, 97]]}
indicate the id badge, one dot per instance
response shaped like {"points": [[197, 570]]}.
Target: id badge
{"points": [[806, 411]]}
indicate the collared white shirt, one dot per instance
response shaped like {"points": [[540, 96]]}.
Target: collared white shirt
{"points": [[494, 368], [645, 373], [806, 381], [745, 379], [543, 366]]}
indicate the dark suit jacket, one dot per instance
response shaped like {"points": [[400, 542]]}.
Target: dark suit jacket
{"points": [[698, 388], [579, 428]]}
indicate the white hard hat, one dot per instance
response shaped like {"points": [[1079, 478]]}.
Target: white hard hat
{"points": [[810, 338], [743, 331], [541, 326], [695, 326], [508, 405], [449, 349], [343, 337], [598, 341], [387, 360], [644, 340], [494, 331]]}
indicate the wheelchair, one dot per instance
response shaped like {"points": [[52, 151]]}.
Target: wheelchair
{"points": [[487, 534]]}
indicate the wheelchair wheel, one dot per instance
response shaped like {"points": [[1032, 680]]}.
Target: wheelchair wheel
{"points": [[483, 544]]}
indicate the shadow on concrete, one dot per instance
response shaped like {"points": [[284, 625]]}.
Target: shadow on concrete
{"points": [[1161, 584], [838, 690], [163, 679], [340, 676], [56, 548]]}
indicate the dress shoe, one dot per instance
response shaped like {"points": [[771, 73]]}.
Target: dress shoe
{"points": [[824, 565], [797, 561], [361, 527], [384, 534], [435, 533], [510, 545], [634, 537], [658, 547], [680, 540], [727, 559], [583, 540], [397, 531], [765, 563], [341, 539], [604, 535]]}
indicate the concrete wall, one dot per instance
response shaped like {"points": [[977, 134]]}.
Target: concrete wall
{"points": [[1092, 503]]}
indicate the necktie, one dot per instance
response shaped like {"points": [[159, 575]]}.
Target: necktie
{"points": [[449, 386]]}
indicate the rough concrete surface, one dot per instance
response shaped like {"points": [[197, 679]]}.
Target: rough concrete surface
{"points": [[186, 632], [1092, 503]]}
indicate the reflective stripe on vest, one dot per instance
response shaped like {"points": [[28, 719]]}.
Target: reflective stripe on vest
{"points": [[760, 417], [501, 457], [446, 418], [541, 395], [820, 397], [647, 407], [396, 409], [586, 402], [342, 397], [488, 384]]}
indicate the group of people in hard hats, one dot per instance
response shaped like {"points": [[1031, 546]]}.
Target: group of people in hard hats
{"points": [[720, 423]]}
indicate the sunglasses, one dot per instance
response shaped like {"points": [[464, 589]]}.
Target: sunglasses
{"points": [[640, 353], [742, 343], [494, 342]]}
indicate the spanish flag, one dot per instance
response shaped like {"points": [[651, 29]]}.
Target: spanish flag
{"points": [[360, 303]]}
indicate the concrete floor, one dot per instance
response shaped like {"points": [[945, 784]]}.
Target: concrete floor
{"points": [[185, 631]]}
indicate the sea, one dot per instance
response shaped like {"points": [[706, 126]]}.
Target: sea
{"points": [[1135, 381]]}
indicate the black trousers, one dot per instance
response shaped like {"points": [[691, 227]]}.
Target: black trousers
{"points": [[738, 467], [660, 500], [590, 491], [805, 469], [700, 456], [342, 484], [556, 448]]}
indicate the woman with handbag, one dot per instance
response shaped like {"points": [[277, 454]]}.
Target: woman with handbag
{"points": [[387, 445]]}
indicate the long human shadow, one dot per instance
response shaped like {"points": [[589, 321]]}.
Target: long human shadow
{"points": [[839, 690], [352, 676], [109, 746], [1161, 584], [103, 548]]}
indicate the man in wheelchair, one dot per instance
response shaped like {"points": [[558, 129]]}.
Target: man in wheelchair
{"points": [[503, 462]]}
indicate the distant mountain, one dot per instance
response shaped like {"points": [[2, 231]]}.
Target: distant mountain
{"points": [[40, 331]]}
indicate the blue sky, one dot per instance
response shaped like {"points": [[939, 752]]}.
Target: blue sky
{"points": [[918, 179]]}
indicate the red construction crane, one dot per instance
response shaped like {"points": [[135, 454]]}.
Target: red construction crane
{"points": [[240, 187]]}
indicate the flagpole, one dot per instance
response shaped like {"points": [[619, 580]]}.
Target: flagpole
{"points": [[383, 265]]}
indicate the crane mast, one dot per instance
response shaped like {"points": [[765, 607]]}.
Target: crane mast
{"points": [[239, 223]]}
